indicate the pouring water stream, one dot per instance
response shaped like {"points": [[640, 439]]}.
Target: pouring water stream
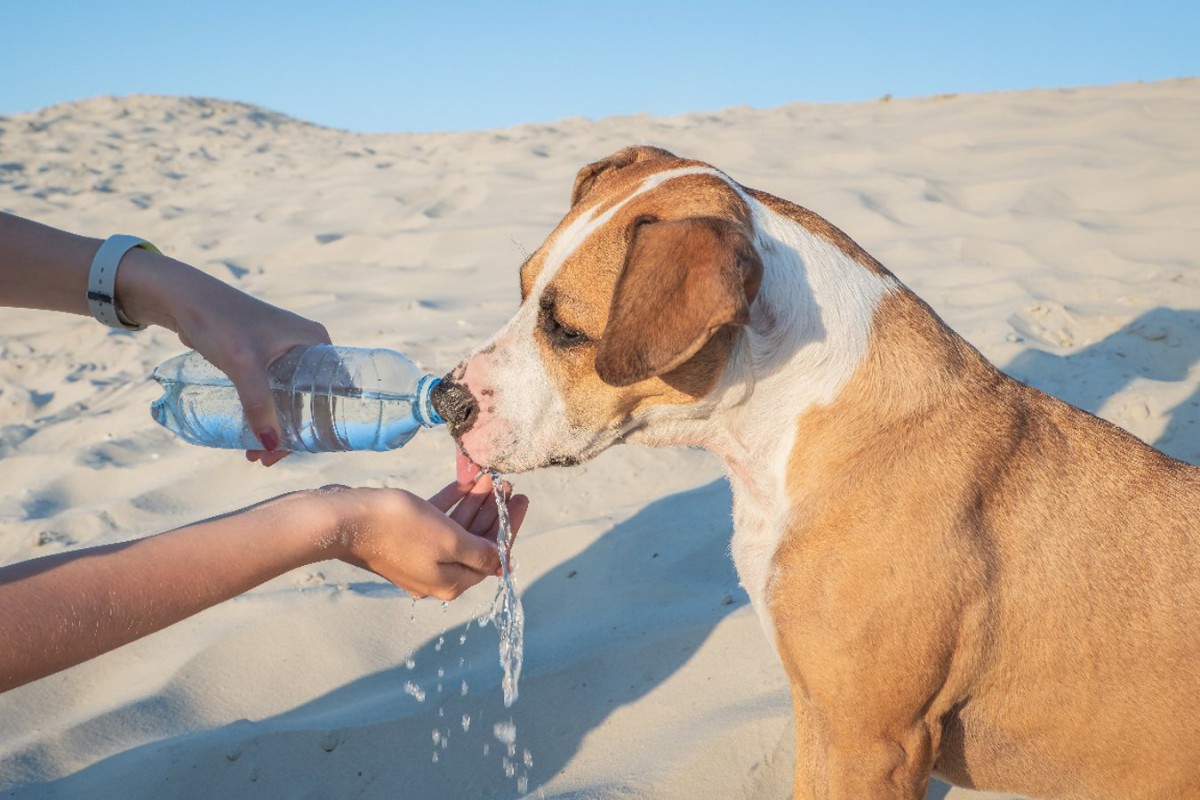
{"points": [[506, 613]]}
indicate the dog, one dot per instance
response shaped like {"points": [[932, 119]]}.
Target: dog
{"points": [[961, 576]]}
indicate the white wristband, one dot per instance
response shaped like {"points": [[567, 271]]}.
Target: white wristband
{"points": [[102, 280]]}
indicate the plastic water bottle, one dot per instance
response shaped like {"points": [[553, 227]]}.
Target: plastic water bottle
{"points": [[328, 399]]}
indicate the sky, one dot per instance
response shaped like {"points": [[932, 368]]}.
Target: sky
{"points": [[436, 66]]}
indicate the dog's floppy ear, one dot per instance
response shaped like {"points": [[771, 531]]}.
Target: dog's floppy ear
{"points": [[683, 280], [618, 160]]}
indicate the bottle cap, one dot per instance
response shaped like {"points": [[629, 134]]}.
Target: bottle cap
{"points": [[423, 408]]}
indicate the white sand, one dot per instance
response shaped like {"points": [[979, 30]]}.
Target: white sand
{"points": [[1056, 230]]}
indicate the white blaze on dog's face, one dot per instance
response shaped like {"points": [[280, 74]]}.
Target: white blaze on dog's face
{"points": [[629, 307]]}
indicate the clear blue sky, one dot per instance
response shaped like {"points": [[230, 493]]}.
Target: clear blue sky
{"points": [[408, 66]]}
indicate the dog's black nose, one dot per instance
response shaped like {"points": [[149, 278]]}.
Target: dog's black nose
{"points": [[455, 404]]}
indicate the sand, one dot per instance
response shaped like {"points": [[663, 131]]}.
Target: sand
{"points": [[1056, 230]]}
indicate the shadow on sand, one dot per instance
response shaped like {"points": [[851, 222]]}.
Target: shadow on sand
{"points": [[585, 656], [1162, 344]]}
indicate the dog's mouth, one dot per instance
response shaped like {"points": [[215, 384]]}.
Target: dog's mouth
{"points": [[564, 461]]}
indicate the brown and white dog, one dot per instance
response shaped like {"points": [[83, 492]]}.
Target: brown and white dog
{"points": [[960, 574]]}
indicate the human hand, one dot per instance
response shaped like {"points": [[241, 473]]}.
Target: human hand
{"points": [[239, 334], [440, 547], [242, 336]]}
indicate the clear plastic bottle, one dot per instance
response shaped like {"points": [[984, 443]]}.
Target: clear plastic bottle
{"points": [[328, 399]]}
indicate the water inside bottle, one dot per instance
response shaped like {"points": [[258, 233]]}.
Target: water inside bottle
{"points": [[347, 418]]}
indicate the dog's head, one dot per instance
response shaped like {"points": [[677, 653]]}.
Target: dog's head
{"points": [[629, 316]]}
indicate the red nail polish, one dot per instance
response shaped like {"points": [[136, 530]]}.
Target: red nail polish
{"points": [[269, 439]]}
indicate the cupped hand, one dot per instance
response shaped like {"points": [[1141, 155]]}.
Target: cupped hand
{"points": [[470, 502], [439, 547]]}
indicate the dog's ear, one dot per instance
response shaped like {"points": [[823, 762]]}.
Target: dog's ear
{"points": [[618, 160], [683, 281]]}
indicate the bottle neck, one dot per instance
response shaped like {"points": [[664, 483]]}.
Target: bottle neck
{"points": [[423, 408]]}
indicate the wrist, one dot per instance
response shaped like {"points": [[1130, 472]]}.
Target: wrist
{"points": [[302, 527], [356, 520], [150, 287], [338, 517]]}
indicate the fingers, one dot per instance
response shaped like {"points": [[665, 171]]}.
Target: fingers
{"points": [[466, 471], [518, 507], [465, 477], [476, 554], [266, 458], [255, 394], [269, 459], [487, 520], [467, 509], [453, 580], [450, 494]]}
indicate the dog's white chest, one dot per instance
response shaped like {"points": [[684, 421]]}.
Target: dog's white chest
{"points": [[755, 540]]}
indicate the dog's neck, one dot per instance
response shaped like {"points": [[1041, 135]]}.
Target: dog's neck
{"points": [[809, 332]]}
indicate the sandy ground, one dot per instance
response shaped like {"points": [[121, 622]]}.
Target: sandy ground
{"points": [[1056, 230]]}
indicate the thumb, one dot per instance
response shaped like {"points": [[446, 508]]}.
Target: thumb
{"points": [[477, 554], [255, 394]]}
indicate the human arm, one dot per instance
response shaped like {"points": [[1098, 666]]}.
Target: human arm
{"points": [[63, 609], [46, 268]]}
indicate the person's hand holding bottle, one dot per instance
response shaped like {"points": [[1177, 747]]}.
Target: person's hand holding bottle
{"points": [[43, 267]]}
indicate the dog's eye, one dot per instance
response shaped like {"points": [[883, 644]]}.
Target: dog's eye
{"points": [[560, 335]]}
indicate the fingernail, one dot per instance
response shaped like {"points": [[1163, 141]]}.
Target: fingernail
{"points": [[269, 439]]}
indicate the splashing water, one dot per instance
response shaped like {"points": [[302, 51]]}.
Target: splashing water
{"points": [[507, 614]]}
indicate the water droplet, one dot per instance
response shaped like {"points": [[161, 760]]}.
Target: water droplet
{"points": [[441, 672], [466, 722], [410, 664], [437, 736], [523, 784], [510, 769], [528, 758], [464, 689], [486, 748], [505, 732], [435, 756], [416, 691], [441, 641]]}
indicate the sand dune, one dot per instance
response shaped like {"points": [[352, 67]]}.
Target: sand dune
{"points": [[1056, 230]]}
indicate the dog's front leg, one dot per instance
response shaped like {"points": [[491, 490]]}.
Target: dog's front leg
{"points": [[875, 663], [844, 756]]}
